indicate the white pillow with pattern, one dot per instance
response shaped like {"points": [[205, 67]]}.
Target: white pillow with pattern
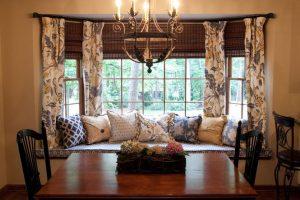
{"points": [[122, 127], [150, 131]]}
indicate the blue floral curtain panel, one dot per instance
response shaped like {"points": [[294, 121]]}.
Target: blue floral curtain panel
{"points": [[214, 93], [255, 75], [53, 48], [92, 67]]}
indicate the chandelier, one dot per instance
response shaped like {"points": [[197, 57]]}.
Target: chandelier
{"points": [[144, 39]]}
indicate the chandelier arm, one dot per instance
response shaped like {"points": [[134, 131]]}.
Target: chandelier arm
{"points": [[119, 26], [128, 54], [156, 24]]}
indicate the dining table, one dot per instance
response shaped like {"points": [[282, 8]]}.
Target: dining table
{"points": [[210, 175]]}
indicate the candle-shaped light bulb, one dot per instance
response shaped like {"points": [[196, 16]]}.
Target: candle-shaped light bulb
{"points": [[176, 5], [146, 10], [118, 4], [133, 5]]}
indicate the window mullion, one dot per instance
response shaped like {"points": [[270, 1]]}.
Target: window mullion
{"points": [[143, 82], [164, 86], [185, 84], [121, 86], [228, 76]]}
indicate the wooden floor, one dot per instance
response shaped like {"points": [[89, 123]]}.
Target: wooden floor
{"points": [[263, 195]]}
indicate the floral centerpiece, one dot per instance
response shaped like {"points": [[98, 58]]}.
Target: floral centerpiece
{"points": [[135, 157]]}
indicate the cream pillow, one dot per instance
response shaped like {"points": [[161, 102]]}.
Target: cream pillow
{"points": [[97, 128], [150, 131], [123, 127], [211, 129]]}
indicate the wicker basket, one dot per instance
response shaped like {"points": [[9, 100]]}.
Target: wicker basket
{"points": [[136, 163]]}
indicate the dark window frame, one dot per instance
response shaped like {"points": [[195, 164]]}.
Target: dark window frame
{"points": [[228, 79], [79, 79]]}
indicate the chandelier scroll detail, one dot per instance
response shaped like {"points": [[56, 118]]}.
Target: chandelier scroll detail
{"points": [[144, 39]]}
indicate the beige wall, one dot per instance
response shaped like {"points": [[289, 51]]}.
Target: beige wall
{"points": [[2, 135], [21, 61]]}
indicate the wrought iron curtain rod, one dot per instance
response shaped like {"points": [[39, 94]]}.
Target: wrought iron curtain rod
{"points": [[80, 19]]}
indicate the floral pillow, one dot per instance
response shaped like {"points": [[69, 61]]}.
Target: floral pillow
{"points": [[166, 121], [150, 131], [185, 129], [123, 127], [229, 132]]}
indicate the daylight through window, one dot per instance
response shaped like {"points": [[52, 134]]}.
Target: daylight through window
{"points": [[176, 85]]}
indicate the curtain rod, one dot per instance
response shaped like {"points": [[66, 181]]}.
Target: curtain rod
{"points": [[80, 19]]}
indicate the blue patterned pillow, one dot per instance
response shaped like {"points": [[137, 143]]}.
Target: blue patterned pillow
{"points": [[72, 130], [229, 131], [185, 129]]}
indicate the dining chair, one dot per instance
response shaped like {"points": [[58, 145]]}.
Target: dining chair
{"points": [[287, 156], [27, 141], [252, 142]]}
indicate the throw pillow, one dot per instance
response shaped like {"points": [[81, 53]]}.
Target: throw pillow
{"points": [[229, 132], [211, 129], [185, 129], [150, 131], [72, 130], [123, 127], [97, 128], [166, 121]]}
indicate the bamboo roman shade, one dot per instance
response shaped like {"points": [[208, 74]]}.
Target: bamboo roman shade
{"points": [[190, 43]]}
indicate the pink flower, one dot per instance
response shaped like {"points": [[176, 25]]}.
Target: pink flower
{"points": [[174, 148]]}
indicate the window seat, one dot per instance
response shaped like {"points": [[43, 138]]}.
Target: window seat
{"points": [[106, 147]]}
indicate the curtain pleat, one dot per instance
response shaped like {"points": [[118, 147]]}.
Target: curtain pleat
{"points": [[214, 93], [92, 51], [255, 75], [53, 49]]}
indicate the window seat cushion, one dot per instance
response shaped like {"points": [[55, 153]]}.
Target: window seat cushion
{"points": [[106, 147]]}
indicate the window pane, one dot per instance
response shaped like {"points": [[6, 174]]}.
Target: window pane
{"points": [[72, 92], [235, 91], [131, 69], [72, 109], [238, 67], [129, 106], [245, 114], [157, 71], [132, 90], [114, 106], [111, 68], [111, 90], [153, 109], [153, 90], [194, 109], [235, 111], [175, 108], [194, 89], [195, 68], [175, 90], [70, 68], [175, 68]]}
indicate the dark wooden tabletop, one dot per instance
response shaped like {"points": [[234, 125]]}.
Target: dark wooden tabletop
{"points": [[91, 175]]}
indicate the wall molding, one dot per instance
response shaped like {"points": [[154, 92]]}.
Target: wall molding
{"points": [[12, 188]]}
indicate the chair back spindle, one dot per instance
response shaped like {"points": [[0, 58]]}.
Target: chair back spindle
{"points": [[27, 141], [253, 145], [284, 127]]}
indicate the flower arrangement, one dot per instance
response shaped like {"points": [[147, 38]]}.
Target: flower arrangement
{"points": [[132, 146], [174, 148], [136, 157]]}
